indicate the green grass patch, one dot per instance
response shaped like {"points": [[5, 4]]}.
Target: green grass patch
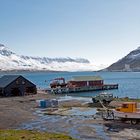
{"points": [[31, 135]]}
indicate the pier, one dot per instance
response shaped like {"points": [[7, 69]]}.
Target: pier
{"points": [[79, 84], [59, 90]]}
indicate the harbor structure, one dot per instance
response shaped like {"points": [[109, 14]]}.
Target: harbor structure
{"points": [[81, 84], [86, 81]]}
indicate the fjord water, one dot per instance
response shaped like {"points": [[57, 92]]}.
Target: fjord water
{"points": [[129, 82]]}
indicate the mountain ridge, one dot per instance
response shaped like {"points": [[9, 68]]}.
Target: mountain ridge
{"points": [[130, 62], [10, 61]]}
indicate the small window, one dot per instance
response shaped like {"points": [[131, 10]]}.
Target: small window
{"points": [[125, 106], [17, 82], [23, 82]]}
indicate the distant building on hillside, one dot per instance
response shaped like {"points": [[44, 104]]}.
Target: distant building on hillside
{"points": [[16, 85], [127, 67]]}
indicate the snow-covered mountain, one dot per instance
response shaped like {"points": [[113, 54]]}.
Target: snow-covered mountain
{"points": [[130, 62], [12, 61]]}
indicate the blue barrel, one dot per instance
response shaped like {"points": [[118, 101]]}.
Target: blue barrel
{"points": [[43, 104]]}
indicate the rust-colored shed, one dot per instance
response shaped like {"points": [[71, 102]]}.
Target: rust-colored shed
{"points": [[83, 81]]}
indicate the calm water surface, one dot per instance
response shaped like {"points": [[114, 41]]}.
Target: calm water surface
{"points": [[129, 82]]}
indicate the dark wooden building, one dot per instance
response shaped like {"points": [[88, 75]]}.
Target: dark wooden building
{"points": [[16, 85], [86, 81]]}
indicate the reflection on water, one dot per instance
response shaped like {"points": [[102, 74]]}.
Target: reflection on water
{"points": [[82, 111], [68, 97], [78, 124]]}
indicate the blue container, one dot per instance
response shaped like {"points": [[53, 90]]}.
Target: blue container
{"points": [[54, 103], [43, 104], [48, 103]]}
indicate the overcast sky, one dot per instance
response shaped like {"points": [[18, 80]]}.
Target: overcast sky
{"points": [[102, 31]]}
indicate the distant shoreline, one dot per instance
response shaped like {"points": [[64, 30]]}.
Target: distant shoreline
{"points": [[34, 71]]}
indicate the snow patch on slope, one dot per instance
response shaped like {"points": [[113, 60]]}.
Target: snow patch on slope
{"points": [[11, 61], [131, 62]]}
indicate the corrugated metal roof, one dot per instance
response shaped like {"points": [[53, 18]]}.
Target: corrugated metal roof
{"points": [[86, 78], [7, 79]]}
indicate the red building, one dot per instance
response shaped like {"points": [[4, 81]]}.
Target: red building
{"points": [[86, 81]]}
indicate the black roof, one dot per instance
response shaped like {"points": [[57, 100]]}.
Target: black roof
{"points": [[7, 79]]}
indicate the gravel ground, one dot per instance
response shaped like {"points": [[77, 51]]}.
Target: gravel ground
{"points": [[16, 111]]}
